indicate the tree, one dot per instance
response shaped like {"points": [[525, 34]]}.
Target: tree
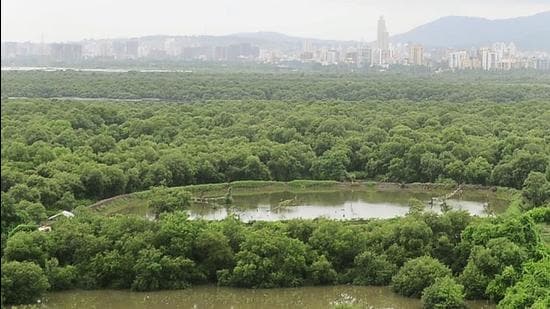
{"points": [[61, 278], [430, 166], [35, 212], [485, 263], [22, 192], [22, 282], [163, 200], [478, 171], [414, 236], [398, 170], [331, 165], [212, 252], [154, 271], [27, 246], [102, 143], [417, 274], [444, 293], [9, 216], [456, 170], [147, 269], [322, 272], [416, 206], [372, 269], [496, 289], [339, 244], [267, 260], [531, 291], [536, 189], [180, 168]]}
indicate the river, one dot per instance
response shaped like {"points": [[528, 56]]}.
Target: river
{"points": [[214, 297]]}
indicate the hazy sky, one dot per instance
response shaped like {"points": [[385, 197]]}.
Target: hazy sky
{"points": [[64, 20]]}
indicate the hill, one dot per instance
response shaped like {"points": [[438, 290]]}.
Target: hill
{"points": [[528, 33]]}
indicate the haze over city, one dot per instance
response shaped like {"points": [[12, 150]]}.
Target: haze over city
{"points": [[65, 20]]}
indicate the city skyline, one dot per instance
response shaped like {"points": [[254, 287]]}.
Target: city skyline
{"points": [[382, 53], [31, 20]]}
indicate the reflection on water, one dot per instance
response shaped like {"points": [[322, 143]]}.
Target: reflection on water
{"points": [[218, 297], [341, 205]]}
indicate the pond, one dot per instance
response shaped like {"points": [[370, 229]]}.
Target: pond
{"points": [[214, 297], [341, 205]]}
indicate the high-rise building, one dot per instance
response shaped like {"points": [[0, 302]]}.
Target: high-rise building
{"points": [[119, 49], [307, 47], [220, 53], [333, 56], [457, 60], [416, 54], [66, 52], [132, 49], [9, 50], [511, 49], [365, 57], [383, 41], [351, 57], [489, 59], [542, 64]]}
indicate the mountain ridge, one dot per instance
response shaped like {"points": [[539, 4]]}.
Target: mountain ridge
{"points": [[527, 32]]}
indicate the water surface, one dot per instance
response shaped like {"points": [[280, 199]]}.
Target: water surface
{"points": [[342, 205], [213, 297]]}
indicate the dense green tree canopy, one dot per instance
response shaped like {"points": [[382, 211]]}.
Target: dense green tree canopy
{"points": [[69, 153], [131, 146]]}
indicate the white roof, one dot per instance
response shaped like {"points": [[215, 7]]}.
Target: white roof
{"points": [[64, 213]]}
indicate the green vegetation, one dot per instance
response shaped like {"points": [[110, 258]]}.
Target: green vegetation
{"points": [[93, 251], [297, 87], [22, 282], [418, 274], [162, 200], [445, 293], [249, 132], [532, 289], [62, 154]]}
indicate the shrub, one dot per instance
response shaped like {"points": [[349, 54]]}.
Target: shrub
{"points": [[372, 269], [164, 200], [322, 271], [417, 274], [531, 291], [61, 278], [22, 282], [445, 293], [267, 260]]}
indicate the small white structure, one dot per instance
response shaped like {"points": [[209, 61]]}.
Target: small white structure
{"points": [[64, 213], [45, 228]]}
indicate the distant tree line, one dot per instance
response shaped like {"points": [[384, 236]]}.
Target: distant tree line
{"points": [[202, 86]]}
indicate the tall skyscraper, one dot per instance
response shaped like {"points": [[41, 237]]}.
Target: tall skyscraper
{"points": [[383, 35], [416, 54]]}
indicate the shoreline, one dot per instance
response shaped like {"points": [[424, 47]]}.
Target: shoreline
{"points": [[244, 188]]}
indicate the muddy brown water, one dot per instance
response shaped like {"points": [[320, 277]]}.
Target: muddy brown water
{"points": [[213, 297]]}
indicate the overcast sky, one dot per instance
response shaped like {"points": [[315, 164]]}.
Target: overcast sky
{"points": [[66, 20]]}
